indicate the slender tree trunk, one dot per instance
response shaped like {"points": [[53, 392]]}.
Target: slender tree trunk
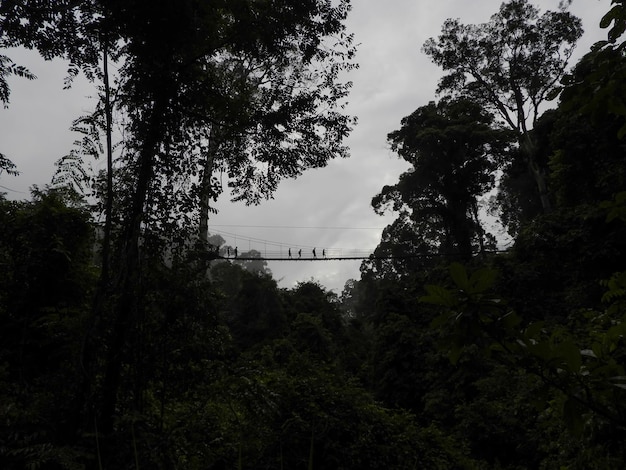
{"points": [[542, 186], [528, 147], [126, 285], [205, 186], [89, 349], [108, 210], [538, 173], [479, 228]]}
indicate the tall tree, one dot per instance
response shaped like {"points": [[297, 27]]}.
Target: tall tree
{"points": [[260, 100], [512, 65], [216, 70], [454, 152], [587, 163], [245, 87]]}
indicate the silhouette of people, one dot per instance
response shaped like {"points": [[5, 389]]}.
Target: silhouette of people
{"points": [[235, 252], [314, 255], [289, 253], [300, 253], [323, 253], [228, 251]]}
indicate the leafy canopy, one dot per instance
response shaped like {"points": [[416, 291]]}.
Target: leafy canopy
{"points": [[512, 64], [454, 152]]}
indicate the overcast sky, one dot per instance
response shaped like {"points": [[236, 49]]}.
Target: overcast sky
{"points": [[326, 208]]}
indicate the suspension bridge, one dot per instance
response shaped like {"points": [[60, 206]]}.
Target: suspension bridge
{"points": [[245, 248], [259, 249], [329, 255], [342, 256], [297, 254]]}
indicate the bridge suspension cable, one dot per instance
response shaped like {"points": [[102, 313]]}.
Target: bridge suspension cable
{"points": [[281, 251]]}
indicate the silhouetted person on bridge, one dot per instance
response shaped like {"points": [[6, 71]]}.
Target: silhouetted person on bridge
{"points": [[289, 253], [314, 255], [300, 253], [324, 253]]}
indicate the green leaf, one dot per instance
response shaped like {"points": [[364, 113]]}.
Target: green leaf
{"points": [[618, 381], [541, 350], [439, 321], [588, 353], [607, 19], [597, 349], [438, 295], [617, 30], [459, 276], [554, 93], [510, 320], [532, 331], [482, 280], [570, 353]]}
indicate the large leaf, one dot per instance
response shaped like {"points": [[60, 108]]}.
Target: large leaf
{"points": [[459, 276], [570, 354], [438, 295], [482, 280]]}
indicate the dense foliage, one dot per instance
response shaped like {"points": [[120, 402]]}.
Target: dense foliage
{"points": [[446, 353]]}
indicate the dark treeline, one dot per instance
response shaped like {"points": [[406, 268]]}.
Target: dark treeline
{"points": [[126, 343]]}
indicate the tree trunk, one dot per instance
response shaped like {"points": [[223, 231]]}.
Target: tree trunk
{"points": [[542, 186], [529, 150], [480, 232], [108, 211], [205, 186], [127, 280], [85, 403]]}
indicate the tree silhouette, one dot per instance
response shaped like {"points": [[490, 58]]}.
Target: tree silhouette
{"points": [[511, 65], [454, 152]]}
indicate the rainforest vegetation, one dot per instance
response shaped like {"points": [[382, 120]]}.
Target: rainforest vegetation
{"points": [[128, 341]]}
